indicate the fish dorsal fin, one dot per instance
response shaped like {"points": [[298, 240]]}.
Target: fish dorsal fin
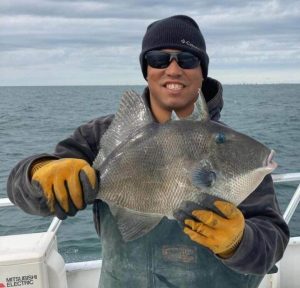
{"points": [[202, 107], [133, 113], [200, 111], [132, 224]]}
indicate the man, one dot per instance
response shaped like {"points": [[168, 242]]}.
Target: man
{"points": [[235, 250]]}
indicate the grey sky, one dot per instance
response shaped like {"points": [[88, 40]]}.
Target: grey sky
{"points": [[54, 42]]}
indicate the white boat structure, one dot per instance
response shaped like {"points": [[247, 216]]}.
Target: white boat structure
{"points": [[32, 260]]}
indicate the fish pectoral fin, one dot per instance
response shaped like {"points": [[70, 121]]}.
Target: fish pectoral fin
{"points": [[203, 178], [133, 224]]}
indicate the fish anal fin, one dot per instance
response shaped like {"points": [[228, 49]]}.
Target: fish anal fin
{"points": [[132, 224]]}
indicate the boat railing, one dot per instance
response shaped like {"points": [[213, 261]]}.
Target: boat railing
{"points": [[285, 178], [277, 178]]}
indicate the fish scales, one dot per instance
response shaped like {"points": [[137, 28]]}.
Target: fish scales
{"points": [[157, 165]]}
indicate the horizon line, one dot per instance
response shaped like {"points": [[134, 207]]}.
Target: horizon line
{"points": [[142, 85]]}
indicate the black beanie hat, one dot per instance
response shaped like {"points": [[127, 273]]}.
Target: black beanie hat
{"points": [[177, 32]]}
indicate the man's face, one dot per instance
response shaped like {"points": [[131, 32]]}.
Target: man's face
{"points": [[173, 88]]}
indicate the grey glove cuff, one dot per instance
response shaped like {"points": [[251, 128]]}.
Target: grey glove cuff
{"points": [[187, 207], [89, 193]]}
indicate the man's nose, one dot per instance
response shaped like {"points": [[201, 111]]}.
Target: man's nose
{"points": [[174, 69]]}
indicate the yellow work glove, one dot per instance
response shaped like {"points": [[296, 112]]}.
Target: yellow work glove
{"points": [[68, 184], [222, 235]]}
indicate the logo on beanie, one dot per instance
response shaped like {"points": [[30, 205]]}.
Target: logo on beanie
{"points": [[188, 43]]}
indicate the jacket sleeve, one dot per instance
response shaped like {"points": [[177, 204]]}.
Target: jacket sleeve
{"points": [[266, 234], [82, 144]]}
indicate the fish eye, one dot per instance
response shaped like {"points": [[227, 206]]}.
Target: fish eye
{"points": [[220, 138]]}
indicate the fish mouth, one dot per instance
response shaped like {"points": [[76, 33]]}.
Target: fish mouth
{"points": [[269, 162]]}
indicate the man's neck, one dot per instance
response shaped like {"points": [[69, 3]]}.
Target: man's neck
{"points": [[163, 116]]}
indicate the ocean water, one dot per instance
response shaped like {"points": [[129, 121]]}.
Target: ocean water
{"points": [[34, 119]]}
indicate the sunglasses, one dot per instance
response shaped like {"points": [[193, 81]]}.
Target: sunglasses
{"points": [[162, 59]]}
